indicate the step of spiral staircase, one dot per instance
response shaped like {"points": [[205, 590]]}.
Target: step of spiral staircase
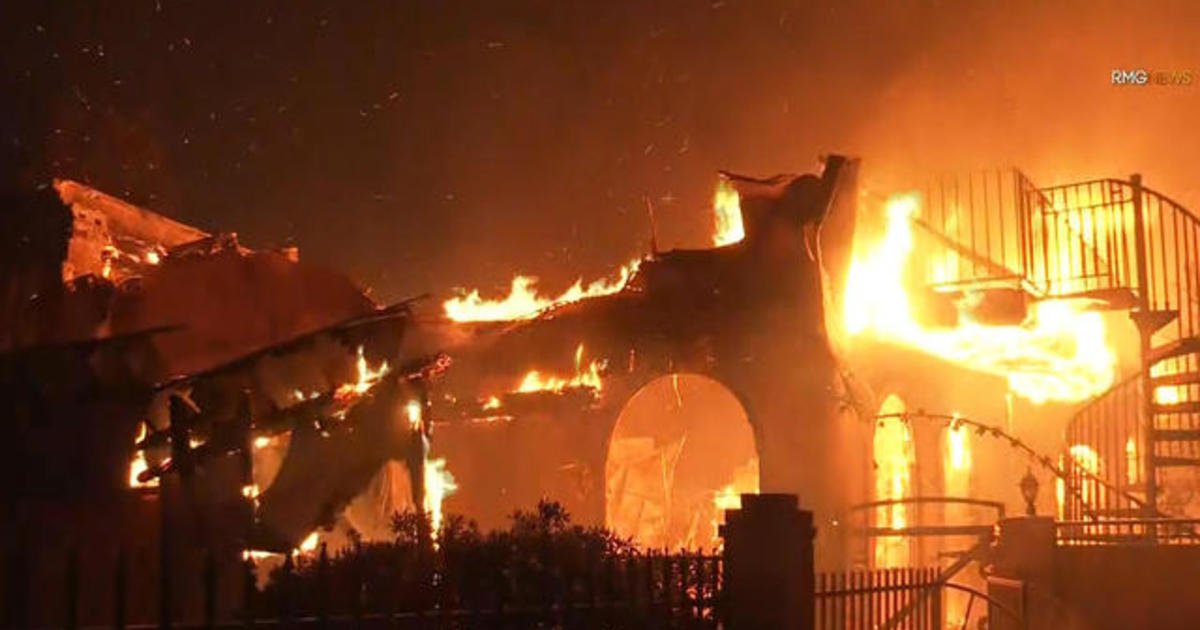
{"points": [[1172, 349]]}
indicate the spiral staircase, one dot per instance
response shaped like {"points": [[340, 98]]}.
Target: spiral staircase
{"points": [[1134, 451]]}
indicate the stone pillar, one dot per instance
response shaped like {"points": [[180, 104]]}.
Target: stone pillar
{"points": [[1025, 548], [769, 580], [1023, 578]]}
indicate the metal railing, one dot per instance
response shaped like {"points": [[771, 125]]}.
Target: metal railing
{"points": [[361, 587], [904, 599], [1125, 246], [1170, 531], [899, 598]]}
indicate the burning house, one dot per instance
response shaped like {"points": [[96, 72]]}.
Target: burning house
{"points": [[897, 361]]}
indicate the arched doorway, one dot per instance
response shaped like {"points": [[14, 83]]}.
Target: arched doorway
{"points": [[681, 451]]}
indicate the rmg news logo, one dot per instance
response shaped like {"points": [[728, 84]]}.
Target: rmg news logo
{"points": [[1143, 77]]}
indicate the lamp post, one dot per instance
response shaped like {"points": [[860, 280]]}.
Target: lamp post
{"points": [[1029, 490]]}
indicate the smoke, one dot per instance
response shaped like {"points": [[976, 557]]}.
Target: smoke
{"points": [[424, 146]]}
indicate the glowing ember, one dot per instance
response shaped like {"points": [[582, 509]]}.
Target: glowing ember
{"points": [[413, 411], [107, 256], [262, 441], [893, 454], [138, 464], [523, 301], [1061, 354], [589, 377], [727, 215], [367, 378], [491, 403], [439, 484]]}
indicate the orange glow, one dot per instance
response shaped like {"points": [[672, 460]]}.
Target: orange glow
{"points": [[894, 457], [958, 446], [1167, 395], [588, 377], [956, 473], [138, 464], [367, 378], [730, 498], [1060, 354], [309, 544], [1086, 458], [1131, 462], [524, 302], [727, 215]]}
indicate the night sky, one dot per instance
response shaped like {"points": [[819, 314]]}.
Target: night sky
{"points": [[424, 145]]}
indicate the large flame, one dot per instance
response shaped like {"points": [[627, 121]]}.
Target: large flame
{"points": [[727, 215], [1060, 354], [524, 302]]}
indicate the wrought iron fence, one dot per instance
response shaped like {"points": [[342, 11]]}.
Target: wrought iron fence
{"points": [[1128, 531], [627, 590], [886, 598]]}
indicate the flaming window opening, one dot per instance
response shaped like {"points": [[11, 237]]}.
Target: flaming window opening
{"points": [[727, 215]]}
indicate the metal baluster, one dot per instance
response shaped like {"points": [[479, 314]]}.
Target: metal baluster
{"points": [[210, 590], [119, 584], [285, 592]]}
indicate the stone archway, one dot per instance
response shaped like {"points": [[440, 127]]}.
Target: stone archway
{"points": [[681, 450]]}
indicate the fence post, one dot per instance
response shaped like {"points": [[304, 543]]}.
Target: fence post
{"points": [[769, 577], [286, 583], [323, 587], [210, 589], [72, 603], [119, 584]]}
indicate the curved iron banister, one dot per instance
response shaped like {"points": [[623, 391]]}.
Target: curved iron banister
{"points": [[1015, 442]]}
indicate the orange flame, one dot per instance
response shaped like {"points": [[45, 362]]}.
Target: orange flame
{"points": [[138, 464], [367, 378], [588, 377], [439, 484], [1060, 354], [893, 453], [523, 301], [727, 215]]}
